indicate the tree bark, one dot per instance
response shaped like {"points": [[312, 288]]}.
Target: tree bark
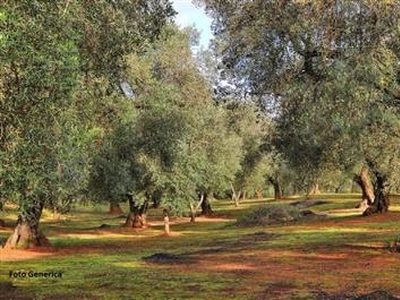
{"points": [[374, 197], [137, 213], [314, 190], [277, 188], [233, 196], [236, 197], [167, 230], [381, 200], [26, 233], [115, 209], [192, 213], [206, 206], [193, 209], [367, 189]]}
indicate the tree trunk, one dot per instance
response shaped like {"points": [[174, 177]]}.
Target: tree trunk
{"points": [[314, 190], [137, 213], [193, 209], [192, 213], [115, 209], [206, 206], [26, 233], [167, 230], [365, 184], [233, 196], [244, 195], [259, 194], [237, 198], [381, 200], [277, 188], [375, 196]]}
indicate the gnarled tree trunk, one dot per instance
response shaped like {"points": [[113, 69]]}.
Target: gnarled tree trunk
{"points": [[366, 186], [367, 190], [194, 209], [374, 197], [206, 206], [137, 213], [278, 194], [26, 233], [381, 196]]}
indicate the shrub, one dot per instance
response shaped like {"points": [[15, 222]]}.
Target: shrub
{"points": [[270, 214]]}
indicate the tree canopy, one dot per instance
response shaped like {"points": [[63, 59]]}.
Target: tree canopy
{"points": [[56, 62], [332, 67]]}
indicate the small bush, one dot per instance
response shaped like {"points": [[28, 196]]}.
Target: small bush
{"points": [[270, 214]]}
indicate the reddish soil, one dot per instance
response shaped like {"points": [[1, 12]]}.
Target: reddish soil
{"points": [[13, 254]]}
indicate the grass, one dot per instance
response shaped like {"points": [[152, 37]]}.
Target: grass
{"points": [[212, 260]]}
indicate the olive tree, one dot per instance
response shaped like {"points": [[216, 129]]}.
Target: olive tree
{"points": [[332, 69], [182, 138], [54, 57]]}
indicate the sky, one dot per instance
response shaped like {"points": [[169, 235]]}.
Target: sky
{"points": [[189, 14]]}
